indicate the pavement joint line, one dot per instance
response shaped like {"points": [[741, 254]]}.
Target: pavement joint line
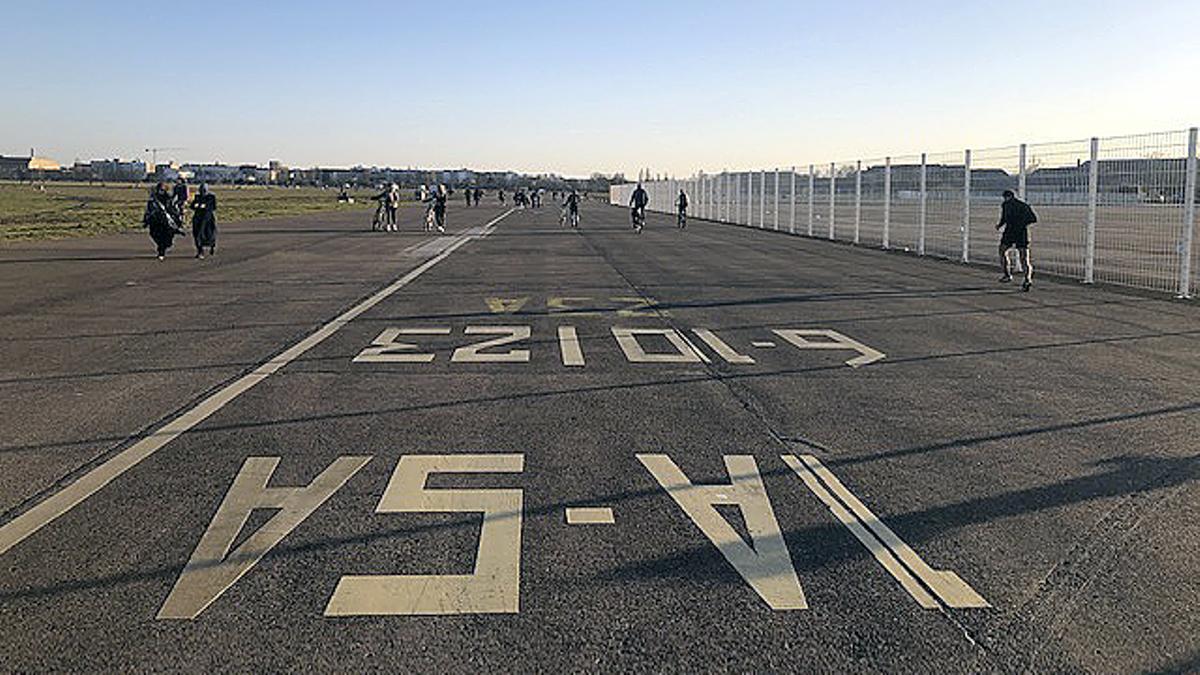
{"points": [[43, 513]]}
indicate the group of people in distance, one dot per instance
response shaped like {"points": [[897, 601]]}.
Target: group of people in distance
{"points": [[165, 212], [435, 207]]}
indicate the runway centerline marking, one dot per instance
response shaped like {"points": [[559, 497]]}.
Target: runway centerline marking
{"points": [[49, 509]]}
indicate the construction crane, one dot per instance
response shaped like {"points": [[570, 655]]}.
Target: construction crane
{"points": [[154, 153]]}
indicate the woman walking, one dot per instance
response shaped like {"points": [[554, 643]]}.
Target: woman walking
{"points": [[159, 218], [204, 221]]}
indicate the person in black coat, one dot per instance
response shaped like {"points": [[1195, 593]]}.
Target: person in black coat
{"points": [[1015, 218], [204, 221], [179, 199], [159, 218]]}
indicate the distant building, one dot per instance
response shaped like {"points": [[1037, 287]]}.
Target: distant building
{"points": [[24, 168], [118, 170], [277, 173]]}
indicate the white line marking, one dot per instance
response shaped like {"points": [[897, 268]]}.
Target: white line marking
{"points": [[721, 347], [568, 342], [24, 525], [876, 547], [590, 515], [762, 344], [946, 585]]}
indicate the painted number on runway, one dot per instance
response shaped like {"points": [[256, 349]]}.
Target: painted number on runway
{"points": [[494, 586], [509, 344]]}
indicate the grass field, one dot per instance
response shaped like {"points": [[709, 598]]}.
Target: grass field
{"points": [[59, 210]]}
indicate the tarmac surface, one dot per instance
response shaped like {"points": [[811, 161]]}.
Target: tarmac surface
{"points": [[700, 450]]}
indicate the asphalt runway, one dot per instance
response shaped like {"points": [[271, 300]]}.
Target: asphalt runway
{"points": [[522, 447]]}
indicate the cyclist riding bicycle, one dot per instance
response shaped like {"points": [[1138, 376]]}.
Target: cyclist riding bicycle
{"points": [[638, 201], [572, 205], [682, 204]]}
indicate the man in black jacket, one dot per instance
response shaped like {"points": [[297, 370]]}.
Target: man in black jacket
{"points": [[1015, 218]]}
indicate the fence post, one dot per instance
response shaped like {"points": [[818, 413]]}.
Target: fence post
{"points": [[812, 186], [749, 198], [857, 199], [1189, 218], [922, 217], [887, 201], [1021, 172], [723, 207], [832, 197], [775, 211], [1089, 260], [762, 199], [792, 210], [966, 210]]}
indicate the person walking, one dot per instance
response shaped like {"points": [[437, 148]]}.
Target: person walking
{"points": [[439, 207], [179, 199], [159, 219], [204, 221], [393, 206], [681, 203], [572, 204], [1015, 217], [500, 195]]}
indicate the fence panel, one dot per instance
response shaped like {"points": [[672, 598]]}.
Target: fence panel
{"points": [[1111, 210], [905, 203], [844, 201], [873, 197], [944, 197], [1057, 189], [993, 170], [1139, 215]]}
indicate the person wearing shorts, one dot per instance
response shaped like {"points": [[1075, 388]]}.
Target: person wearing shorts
{"points": [[1015, 218]]}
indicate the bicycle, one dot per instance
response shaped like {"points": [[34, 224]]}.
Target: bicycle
{"points": [[639, 218], [380, 218]]}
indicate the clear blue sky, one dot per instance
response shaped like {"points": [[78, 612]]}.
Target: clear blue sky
{"points": [[573, 87]]}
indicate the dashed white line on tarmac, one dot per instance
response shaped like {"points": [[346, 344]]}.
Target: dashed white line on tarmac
{"points": [[46, 511], [590, 515]]}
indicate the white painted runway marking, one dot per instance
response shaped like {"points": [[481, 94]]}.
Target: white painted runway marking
{"points": [[568, 344], [721, 347], [508, 335], [387, 349], [506, 305], [897, 557], [834, 340], [764, 561], [590, 515], [495, 587], [762, 344], [684, 352], [213, 569], [24, 525]]}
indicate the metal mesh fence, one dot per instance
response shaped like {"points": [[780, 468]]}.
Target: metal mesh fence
{"points": [[1119, 210], [1139, 220], [904, 203]]}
